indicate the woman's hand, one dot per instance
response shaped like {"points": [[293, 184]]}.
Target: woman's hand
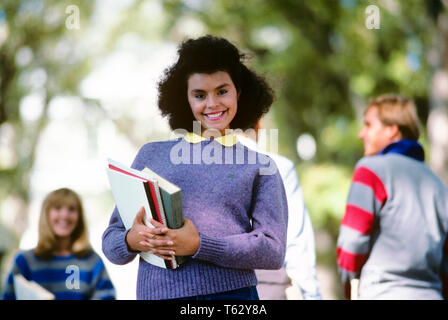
{"points": [[138, 234], [184, 241]]}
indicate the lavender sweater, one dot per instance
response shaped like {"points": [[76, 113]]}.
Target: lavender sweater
{"points": [[239, 210]]}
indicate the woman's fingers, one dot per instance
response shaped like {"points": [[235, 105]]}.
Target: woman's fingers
{"points": [[154, 231], [151, 233], [156, 239], [157, 244], [156, 223], [165, 253], [140, 217]]}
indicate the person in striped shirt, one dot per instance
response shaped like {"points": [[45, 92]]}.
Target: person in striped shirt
{"points": [[63, 261], [393, 236]]}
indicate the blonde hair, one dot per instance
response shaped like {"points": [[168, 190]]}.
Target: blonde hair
{"points": [[47, 243], [398, 110]]}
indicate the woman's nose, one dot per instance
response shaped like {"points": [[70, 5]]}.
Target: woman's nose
{"points": [[211, 101], [64, 211]]}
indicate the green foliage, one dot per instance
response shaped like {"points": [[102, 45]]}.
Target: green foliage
{"points": [[340, 140], [325, 190], [39, 59]]}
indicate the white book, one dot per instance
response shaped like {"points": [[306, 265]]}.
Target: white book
{"points": [[133, 189], [143, 176], [30, 290]]}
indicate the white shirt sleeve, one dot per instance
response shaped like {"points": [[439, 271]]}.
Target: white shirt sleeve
{"points": [[300, 261]]}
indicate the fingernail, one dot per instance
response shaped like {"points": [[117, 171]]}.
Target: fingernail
{"points": [[170, 243]]}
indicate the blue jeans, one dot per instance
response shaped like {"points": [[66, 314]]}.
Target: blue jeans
{"points": [[248, 293]]}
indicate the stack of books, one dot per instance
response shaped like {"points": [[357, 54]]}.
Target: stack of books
{"points": [[162, 200]]}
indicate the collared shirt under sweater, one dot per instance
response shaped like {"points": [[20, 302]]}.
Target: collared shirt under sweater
{"points": [[236, 200]]}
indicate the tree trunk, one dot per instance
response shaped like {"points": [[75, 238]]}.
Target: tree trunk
{"points": [[438, 115]]}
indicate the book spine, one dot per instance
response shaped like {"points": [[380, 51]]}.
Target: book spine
{"points": [[174, 215], [150, 200], [181, 259], [166, 202], [149, 190], [171, 264], [177, 210], [158, 199]]}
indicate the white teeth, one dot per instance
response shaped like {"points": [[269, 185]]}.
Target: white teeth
{"points": [[216, 115]]}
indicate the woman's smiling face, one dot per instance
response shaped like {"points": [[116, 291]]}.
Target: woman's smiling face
{"points": [[63, 220], [213, 99]]}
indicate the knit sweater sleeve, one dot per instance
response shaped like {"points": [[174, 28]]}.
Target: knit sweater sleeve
{"points": [[114, 243], [264, 246], [366, 197]]}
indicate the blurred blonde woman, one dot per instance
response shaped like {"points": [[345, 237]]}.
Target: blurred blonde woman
{"points": [[63, 261]]}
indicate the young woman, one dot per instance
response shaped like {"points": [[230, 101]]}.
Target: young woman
{"points": [[235, 211], [63, 261]]}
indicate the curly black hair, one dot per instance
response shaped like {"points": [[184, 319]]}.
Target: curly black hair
{"points": [[209, 54]]}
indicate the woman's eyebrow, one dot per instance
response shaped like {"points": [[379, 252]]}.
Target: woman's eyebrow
{"points": [[217, 88], [222, 86]]}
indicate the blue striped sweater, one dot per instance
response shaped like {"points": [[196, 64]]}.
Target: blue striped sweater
{"points": [[60, 276]]}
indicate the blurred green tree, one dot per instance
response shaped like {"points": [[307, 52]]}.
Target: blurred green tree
{"points": [[38, 60], [437, 57]]}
